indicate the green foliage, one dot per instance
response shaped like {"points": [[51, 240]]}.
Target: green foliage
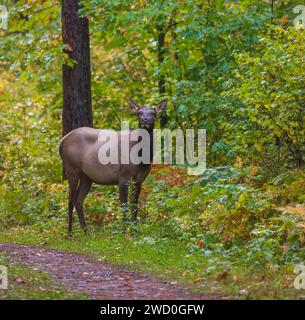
{"points": [[219, 204], [288, 187], [195, 59], [269, 87]]}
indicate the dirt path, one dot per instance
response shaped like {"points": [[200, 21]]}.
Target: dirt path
{"points": [[100, 280]]}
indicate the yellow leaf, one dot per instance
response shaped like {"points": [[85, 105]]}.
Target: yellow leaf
{"points": [[197, 280]]}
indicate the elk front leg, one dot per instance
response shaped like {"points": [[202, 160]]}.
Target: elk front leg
{"points": [[123, 193], [136, 189]]}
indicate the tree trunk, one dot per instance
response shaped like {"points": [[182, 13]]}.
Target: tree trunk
{"points": [[77, 108], [161, 80]]}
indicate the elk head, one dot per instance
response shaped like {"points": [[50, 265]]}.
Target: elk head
{"points": [[147, 115]]}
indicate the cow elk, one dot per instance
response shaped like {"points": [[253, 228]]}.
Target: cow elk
{"points": [[79, 152]]}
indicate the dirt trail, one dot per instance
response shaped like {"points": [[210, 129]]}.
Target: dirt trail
{"points": [[100, 280]]}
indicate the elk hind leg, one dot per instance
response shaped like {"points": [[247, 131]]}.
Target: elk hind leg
{"points": [[73, 182], [83, 189]]}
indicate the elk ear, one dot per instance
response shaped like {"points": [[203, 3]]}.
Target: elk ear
{"points": [[161, 106], [133, 105]]}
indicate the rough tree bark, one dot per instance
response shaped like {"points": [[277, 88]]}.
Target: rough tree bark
{"points": [[77, 107], [161, 80]]}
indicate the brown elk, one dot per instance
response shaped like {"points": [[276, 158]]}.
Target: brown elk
{"points": [[79, 152]]}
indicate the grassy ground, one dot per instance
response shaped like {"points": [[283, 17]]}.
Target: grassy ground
{"points": [[169, 259], [28, 283]]}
